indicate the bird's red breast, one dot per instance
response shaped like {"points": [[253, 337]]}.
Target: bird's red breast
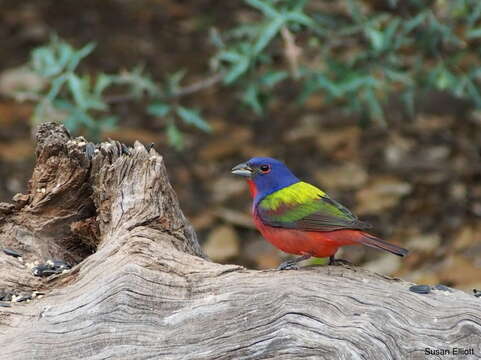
{"points": [[252, 188], [299, 242]]}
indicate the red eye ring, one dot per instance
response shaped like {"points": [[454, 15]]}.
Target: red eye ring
{"points": [[266, 168]]}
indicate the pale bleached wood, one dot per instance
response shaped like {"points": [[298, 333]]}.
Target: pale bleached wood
{"points": [[149, 293]]}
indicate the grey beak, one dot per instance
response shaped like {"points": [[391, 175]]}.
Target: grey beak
{"points": [[242, 170]]}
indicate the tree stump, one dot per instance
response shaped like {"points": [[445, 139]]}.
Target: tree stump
{"points": [[140, 287]]}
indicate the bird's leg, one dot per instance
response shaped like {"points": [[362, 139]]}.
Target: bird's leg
{"points": [[292, 263], [334, 261]]}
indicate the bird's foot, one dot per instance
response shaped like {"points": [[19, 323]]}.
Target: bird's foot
{"points": [[292, 263], [334, 261], [288, 265]]}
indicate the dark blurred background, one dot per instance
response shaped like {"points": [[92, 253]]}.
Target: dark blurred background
{"points": [[411, 168]]}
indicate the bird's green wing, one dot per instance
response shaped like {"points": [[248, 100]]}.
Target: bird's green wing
{"points": [[305, 207]]}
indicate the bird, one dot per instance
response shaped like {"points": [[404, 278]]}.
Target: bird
{"points": [[301, 219]]}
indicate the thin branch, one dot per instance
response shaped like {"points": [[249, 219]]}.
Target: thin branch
{"points": [[292, 52], [113, 99], [203, 84], [190, 89]]}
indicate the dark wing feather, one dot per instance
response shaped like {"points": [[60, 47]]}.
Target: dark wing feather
{"points": [[324, 221]]}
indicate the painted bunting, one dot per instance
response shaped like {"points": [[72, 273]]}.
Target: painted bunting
{"points": [[299, 218]]}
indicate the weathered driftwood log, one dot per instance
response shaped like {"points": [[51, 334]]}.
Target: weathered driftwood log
{"points": [[142, 289]]}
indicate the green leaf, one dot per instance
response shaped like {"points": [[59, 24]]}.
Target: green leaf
{"points": [[85, 118], [325, 83], [251, 98], [300, 18], [355, 10], [474, 92], [390, 33], [395, 75], [415, 22], [392, 3], [474, 33], [158, 109], [79, 55], [264, 7], [215, 38], [445, 79], [65, 105], [271, 78], [377, 39], [55, 88], [103, 82], [108, 123], [236, 70], [298, 5], [72, 123], [355, 82], [229, 56], [460, 89], [374, 106], [138, 82], [44, 62], [408, 98], [268, 33], [78, 118], [174, 136], [174, 80], [95, 103], [192, 117], [474, 15], [64, 53], [77, 90]]}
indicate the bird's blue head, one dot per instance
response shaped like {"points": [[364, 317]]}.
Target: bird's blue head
{"points": [[265, 175]]}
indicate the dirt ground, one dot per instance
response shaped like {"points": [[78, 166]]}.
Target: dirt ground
{"points": [[418, 181]]}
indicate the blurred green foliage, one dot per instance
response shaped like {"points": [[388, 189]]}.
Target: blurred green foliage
{"points": [[355, 54], [83, 102]]}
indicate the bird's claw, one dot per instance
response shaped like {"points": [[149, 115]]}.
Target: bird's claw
{"points": [[334, 262], [288, 265]]}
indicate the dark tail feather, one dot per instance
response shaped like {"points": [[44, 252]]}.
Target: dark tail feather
{"points": [[372, 241]]}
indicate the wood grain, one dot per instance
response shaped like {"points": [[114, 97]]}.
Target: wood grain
{"points": [[148, 292]]}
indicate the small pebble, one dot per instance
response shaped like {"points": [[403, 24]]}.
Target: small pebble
{"points": [[23, 297], [38, 294], [420, 289], [51, 267], [11, 252], [3, 304], [4, 294], [477, 292], [39, 270], [61, 264], [443, 288], [90, 150]]}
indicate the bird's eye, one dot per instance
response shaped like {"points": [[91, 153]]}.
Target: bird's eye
{"points": [[265, 168]]}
